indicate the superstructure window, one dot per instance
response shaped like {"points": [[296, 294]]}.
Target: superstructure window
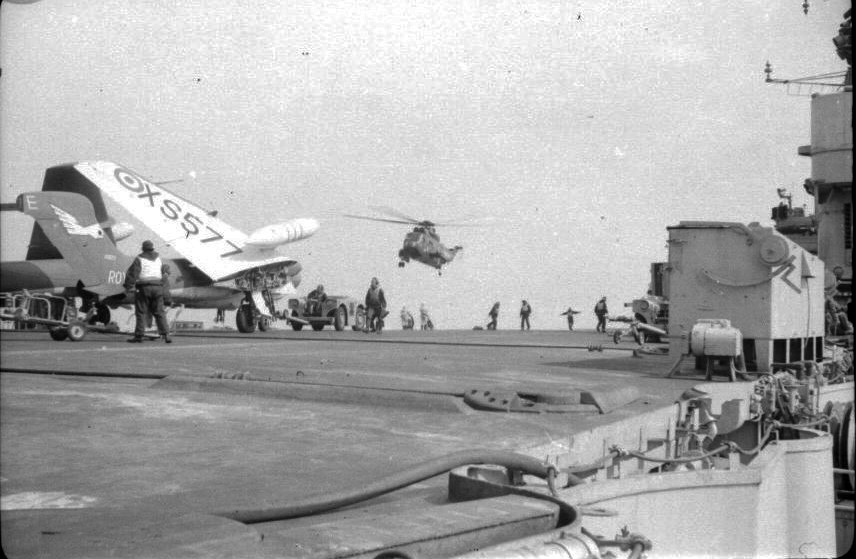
{"points": [[808, 349], [750, 357], [780, 351], [794, 347]]}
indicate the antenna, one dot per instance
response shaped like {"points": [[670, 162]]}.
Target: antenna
{"points": [[844, 51], [819, 79]]}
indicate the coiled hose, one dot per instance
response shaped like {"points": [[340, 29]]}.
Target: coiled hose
{"points": [[427, 469]]}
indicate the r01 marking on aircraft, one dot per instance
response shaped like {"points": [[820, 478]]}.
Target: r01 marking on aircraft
{"points": [[115, 277]]}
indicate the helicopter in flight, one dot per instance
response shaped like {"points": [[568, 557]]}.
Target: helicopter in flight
{"points": [[422, 244]]}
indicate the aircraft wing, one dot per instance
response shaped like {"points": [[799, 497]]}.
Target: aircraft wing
{"points": [[215, 247]]}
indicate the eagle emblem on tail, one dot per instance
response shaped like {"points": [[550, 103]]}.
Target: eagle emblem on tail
{"points": [[74, 228]]}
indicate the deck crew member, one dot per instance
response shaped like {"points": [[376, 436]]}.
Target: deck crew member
{"points": [[145, 276], [406, 319], [315, 301], [525, 311], [425, 318], [570, 313], [375, 307], [600, 312], [494, 315]]}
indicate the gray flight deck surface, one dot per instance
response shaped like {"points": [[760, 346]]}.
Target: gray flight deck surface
{"points": [[136, 451]]}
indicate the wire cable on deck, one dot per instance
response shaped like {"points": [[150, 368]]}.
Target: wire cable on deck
{"points": [[428, 469]]}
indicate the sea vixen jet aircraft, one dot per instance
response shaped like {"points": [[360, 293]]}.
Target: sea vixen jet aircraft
{"points": [[222, 267]]}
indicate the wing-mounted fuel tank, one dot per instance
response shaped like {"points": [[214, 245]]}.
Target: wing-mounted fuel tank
{"points": [[272, 236], [765, 285]]}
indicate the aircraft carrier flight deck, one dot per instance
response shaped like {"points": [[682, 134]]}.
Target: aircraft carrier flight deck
{"points": [[115, 442]]}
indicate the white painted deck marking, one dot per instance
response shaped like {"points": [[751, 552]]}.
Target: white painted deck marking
{"points": [[29, 500]]}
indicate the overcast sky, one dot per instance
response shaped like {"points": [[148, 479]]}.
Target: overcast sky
{"points": [[585, 128]]}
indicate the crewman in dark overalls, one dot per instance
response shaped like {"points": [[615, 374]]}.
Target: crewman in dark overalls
{"points": [[494, 316], [375, 307], [600, 311], [315, 301], [145, 277], [525, 311], [570, 314]]}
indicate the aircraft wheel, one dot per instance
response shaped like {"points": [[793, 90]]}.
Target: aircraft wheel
{"points": [[103, 314], [341, 319], [360, 318], [76, 331], [264, 324], [59, 334], [244, 320], [296, 326], [318, 326]]}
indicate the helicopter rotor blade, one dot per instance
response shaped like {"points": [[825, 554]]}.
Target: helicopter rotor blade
{"points": [[468, 222], [367, 218], [409, 220], [395, 213], [450, 224]]}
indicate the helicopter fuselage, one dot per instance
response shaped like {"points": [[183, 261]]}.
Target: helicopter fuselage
{"points": [[423, 245]]}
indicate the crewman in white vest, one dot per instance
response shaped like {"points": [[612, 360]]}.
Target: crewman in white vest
{"points": [[145, 277]]}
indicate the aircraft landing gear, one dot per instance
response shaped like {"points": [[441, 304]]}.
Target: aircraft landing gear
{"points": [[401, 263], [249, 316], [100, 315], [244, 319]]}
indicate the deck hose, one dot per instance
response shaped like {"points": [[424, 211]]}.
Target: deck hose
{"points": [[321, 503]]}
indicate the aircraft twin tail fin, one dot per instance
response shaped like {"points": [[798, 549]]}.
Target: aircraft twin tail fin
{"points": [[68, 221], [65, 178]]}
